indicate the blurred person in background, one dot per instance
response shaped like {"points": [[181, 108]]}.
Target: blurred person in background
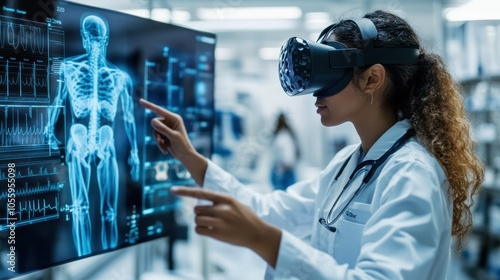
{"points": [[285, 154]]}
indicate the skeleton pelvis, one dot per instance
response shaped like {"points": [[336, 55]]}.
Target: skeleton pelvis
{"points": [[85, 143]]}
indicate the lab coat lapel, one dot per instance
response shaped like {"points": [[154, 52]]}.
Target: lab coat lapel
{"points": [[388, 139]]}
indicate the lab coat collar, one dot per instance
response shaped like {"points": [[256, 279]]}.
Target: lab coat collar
{"points": [[388, 139]]}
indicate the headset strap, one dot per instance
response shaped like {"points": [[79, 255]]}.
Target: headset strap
{"points": [[368, 31], [343, 58]]}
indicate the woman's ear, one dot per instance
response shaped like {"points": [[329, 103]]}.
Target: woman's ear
{"points": [[374, 78]]}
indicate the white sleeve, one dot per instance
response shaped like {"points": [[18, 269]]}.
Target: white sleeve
{"points": [[407, 237], [292, 210]]}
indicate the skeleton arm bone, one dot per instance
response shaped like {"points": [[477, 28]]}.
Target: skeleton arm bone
{"points": [[54, 112], [128, 117]]}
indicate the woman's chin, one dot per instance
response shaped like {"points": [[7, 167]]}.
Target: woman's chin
{"points": [[328, 122]]}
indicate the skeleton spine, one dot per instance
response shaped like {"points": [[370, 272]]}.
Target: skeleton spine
{"points": [[94, 118]]}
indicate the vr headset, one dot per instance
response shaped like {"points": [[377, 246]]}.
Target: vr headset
{"points": [[325, 68]]}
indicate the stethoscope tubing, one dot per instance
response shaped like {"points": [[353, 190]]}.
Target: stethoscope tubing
{"points": [[375, 164]]}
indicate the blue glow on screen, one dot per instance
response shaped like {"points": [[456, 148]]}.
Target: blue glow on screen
{"points": [[88, 175]]}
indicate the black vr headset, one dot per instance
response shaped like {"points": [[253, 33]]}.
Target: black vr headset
{"points": [[324, 68]]}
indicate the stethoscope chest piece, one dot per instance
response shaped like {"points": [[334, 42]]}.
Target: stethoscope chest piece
{"points": [[330, 228]]}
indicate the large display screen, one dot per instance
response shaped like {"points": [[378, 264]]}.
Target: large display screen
{"points": [[80, 173]]}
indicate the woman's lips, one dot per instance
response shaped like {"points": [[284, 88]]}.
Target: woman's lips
{"points": [[319, 108]]}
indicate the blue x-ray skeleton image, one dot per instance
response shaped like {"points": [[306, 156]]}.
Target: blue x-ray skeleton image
{"points": [[95, 89]]}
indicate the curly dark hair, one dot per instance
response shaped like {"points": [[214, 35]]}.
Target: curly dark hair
{"points": [[426, 95]]}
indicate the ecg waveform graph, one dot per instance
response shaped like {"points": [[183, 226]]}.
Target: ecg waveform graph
{"points": [[22, 126], [35, 190], [23, 37], [26, 80], [31, 211], [32, 204], [27, 172], [24, 61], [37, 208]]}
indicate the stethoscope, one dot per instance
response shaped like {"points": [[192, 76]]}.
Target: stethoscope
{"points": [[375, 164]]}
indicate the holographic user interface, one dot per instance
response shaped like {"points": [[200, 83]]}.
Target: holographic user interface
{"points": [[80, 173]]}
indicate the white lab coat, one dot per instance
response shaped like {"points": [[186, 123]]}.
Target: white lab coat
{"points": [[399, 226], [284, 150]]}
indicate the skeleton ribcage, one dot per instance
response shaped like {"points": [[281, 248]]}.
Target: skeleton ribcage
{"points": [[94, 97]]}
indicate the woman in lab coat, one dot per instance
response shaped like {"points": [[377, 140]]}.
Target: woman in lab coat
{"points": [[400, 224], [285, 154]]}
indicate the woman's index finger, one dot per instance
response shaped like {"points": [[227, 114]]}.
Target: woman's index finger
{"points": [[155, 108], [166, 117]]}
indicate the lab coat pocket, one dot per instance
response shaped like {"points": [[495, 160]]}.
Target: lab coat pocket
{"points": [[357, 213], [349, 231]]}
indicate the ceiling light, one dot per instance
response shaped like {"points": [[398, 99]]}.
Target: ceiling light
{"points": [[245, 13], [161, 14], [242, 25], [474, 10], [144, 13], [180, 16]]}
